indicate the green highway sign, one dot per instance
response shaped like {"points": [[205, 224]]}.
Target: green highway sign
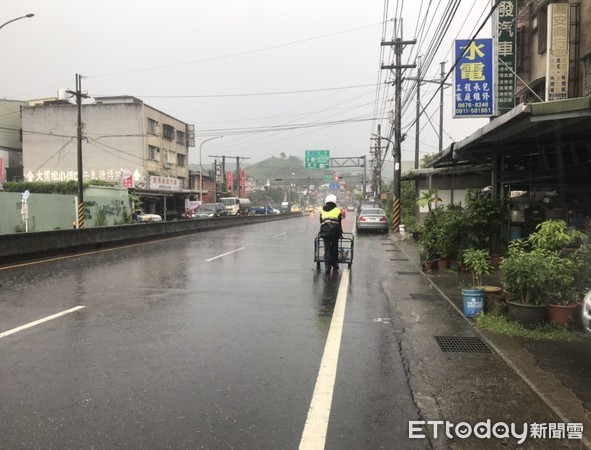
{"points": [[317, 159]]}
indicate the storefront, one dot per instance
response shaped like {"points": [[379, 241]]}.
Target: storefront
{"points": [[540, 161]]}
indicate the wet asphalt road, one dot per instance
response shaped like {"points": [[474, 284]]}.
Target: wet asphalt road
{"points": [[212, 340]]}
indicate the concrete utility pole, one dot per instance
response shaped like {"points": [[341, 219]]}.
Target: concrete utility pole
{"points": [[398, 45], [443, 84], [80, 199], [441, 107], [377, 168]]}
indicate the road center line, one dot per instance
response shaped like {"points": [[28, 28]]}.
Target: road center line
{"points": [[314, 435], [40, 321], [225, 254], [280, 234]]}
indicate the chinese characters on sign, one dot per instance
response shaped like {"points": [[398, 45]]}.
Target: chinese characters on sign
{"points": [[558, 52], [317, 159], [230, 181], [46, 176], [473, 96], [164, 184], [506, 16]]}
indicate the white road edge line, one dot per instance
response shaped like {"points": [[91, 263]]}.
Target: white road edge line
{"points": [[314, 435], [225, 254], [40, 321], [280, 234]]}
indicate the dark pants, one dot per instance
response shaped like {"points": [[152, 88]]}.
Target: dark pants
{"points": [[331, 252]]}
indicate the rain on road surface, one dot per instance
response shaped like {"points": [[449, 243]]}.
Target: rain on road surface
{"points": [[212, 340]]}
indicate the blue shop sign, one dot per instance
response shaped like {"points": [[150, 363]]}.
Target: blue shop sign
{"points": [[474, 94]]}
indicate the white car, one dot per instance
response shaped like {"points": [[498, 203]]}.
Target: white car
{"points": [[142, 217], [586, 312]]}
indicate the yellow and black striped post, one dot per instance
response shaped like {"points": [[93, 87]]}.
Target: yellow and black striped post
{"points": [[81, 215], [396, 215]]}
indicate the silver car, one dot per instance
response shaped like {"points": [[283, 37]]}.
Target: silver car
{"points": [[372, 219], [586, 312]]}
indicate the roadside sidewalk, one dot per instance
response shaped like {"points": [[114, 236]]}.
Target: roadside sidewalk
{"points": [[558, 372]]}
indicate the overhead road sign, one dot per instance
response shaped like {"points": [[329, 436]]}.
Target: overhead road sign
{"points": [[317, 159]]}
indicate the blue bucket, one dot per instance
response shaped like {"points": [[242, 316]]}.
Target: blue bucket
{"points": [[473, 301]]}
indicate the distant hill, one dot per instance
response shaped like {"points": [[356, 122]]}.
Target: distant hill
{"points": [[280, 169]]}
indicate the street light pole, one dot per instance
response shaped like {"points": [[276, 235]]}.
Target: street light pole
{"points": [[201, 167], [28, 16]]}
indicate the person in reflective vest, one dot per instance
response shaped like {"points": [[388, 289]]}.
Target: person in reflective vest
{"points": [[331, 231]]}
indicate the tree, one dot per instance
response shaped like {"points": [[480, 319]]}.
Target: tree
{"points": [[283, 155]]}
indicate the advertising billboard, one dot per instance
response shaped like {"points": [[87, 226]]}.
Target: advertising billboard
{"points": [[473, 78]]}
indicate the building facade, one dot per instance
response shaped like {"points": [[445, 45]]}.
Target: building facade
{"points": [[122, 137], [11, 151]]}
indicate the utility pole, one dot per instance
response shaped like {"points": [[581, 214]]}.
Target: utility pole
{"points": [[398, 45], [441, 107], [377, 168], [443, 84], [80, 199]]}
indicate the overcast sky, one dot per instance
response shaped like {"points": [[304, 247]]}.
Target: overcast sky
{"points": [[271, 76]]}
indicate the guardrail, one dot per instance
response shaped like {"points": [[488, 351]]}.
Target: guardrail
{"points": [[28, 246]]}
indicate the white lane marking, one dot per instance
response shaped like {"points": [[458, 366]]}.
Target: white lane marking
{"points": [[314, 435], [280, 234], [40, 321], [225, 254]]}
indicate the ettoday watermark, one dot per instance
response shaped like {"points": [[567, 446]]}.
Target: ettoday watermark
{"points": [[499, 430]]}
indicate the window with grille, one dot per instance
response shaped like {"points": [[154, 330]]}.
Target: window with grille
{"points": [[180, 160], [180, 137], [168, 132], [152, 126], [153, 153]]}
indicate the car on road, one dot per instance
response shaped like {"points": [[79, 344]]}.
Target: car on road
{"points": [[143, 217], [268, 209], [211, 210], [586, 312], [372, 219], [350, 208]]}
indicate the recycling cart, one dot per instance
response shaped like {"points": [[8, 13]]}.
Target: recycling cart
{"points": [[345, 250]]}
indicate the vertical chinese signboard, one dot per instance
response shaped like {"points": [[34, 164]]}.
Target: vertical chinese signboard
{"points": [[242, 182], [473, 78], [505, 18], [558, 56], [229, 181]]}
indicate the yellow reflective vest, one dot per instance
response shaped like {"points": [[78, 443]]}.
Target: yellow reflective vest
{"points": [[333, 215]]}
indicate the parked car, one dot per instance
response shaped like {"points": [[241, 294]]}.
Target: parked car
{"points": [[586, 312], [350, 208], [211, 210], [372, 219], [140, 216]]}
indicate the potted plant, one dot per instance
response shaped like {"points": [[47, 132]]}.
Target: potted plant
{"points": [[478, 263], [565, 284], [524, 272]]}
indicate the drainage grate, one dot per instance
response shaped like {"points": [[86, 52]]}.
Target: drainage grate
{"points": [[462, 344], [430, 297], [408, 273]]}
